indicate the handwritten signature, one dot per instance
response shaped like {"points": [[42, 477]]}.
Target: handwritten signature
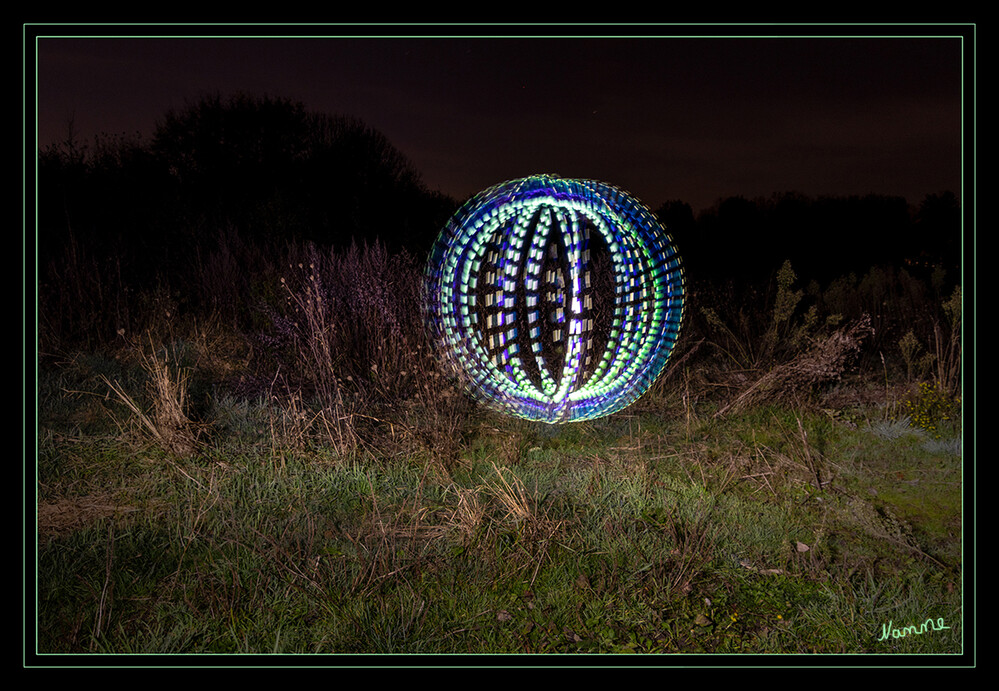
{"points": [[890, 631]]}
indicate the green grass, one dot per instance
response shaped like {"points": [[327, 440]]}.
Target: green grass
{"points": [[773, 531]]}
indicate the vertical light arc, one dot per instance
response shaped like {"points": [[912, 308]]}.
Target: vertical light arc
{"points": [[558, 300]]}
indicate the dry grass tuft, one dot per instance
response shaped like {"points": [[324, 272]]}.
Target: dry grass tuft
{"points": [[468, 514], [693, 548], [295, 425], [511, 496], [167, 422]]}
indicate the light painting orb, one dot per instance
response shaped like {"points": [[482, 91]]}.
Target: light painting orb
{"points": [[557, 300]]}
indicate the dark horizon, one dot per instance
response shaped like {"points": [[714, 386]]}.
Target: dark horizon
{"points": [[695, 120]]}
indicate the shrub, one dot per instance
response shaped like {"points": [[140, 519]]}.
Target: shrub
{"points": [[930, 407], [753, 341]]}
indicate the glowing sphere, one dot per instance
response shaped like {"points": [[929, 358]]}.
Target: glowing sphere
{"points": [[558, 300]]}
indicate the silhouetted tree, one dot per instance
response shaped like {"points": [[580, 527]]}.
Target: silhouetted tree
{"points": [[269, 167], [677, 217], [230, 161], [824, 238], [733, 242], [257, 173], [937, 234], [357, 185], [62, 177]]}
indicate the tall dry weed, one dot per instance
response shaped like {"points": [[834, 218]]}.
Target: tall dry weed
{"points": [[83, 301], [354, 322], [354, 318], [947, 344]]}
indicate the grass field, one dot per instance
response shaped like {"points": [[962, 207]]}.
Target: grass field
{"points": [[785, 494], [663, 529]]}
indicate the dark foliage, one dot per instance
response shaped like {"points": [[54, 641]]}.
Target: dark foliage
{"points": [[264, 166], [125, 216], [824, 237], [200, 217]]}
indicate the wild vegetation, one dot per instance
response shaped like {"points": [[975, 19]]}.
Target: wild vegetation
{"points": [[249, 446]]}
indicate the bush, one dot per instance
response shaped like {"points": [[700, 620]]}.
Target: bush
{"points": [[932, 409]]}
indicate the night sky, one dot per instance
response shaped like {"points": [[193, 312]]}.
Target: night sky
{"points": [[666, 118]]}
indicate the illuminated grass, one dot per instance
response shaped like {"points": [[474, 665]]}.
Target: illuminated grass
{"points": [[577, 541]]}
